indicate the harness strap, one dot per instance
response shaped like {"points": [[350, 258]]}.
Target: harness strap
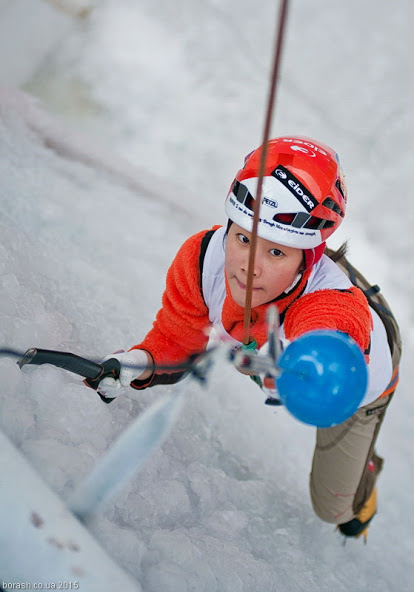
{"points": [[377, 302], [205, 241], [392, 384]]}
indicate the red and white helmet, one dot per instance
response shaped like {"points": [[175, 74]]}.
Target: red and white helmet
{"points": [[303, 193]]}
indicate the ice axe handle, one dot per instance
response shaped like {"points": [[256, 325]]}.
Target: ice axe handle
{"points": [[90, 370]]}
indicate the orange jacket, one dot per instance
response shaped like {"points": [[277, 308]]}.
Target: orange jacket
{"points": [[179, 330]]}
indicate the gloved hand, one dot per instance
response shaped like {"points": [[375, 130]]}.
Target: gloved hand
{"points": [[269, 386], [241, 359], [110, 387]]}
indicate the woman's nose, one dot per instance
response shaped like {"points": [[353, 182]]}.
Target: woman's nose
{"points": [[257, 267]]}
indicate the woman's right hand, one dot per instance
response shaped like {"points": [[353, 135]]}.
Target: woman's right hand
{"points": [[135, 364]]}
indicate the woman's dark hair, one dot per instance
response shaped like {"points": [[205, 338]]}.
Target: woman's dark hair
{"points": [[339, 253]]}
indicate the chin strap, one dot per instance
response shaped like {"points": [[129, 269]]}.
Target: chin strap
{"points": [[294, 284]]}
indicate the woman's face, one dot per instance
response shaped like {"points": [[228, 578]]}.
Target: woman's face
{"points": [[275, 267]]}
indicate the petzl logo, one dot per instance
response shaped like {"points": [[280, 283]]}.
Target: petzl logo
{"points": [[270, 202], [295, 186]]}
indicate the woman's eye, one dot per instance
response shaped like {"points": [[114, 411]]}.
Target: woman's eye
{"points": [[242, 238], [276, 252]]}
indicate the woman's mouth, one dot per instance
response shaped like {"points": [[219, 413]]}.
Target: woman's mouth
{"points": [[244, 286], [240, 284]]}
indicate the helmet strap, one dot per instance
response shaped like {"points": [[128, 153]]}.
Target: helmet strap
{"points": [[294, 284]]}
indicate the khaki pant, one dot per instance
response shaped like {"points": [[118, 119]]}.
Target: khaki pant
{"points": [[345, 466]]}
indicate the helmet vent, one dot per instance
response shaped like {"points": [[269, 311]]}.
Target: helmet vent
{"points": [[303, 220], [339, 187], [243, 195], [331, 205]]}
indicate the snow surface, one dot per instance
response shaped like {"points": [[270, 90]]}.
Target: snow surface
{"points": [[147, 111]]}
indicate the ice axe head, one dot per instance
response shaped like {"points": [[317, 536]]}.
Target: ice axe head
{"points": [[323, 378]]}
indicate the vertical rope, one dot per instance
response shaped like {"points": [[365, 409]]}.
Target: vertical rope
{"points": [[266, 132]]}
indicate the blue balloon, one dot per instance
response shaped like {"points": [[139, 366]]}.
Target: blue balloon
{"points": [[323, 378]]}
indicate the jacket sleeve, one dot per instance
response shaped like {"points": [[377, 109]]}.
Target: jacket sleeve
{"points": [[179, 330], [341, 310]]}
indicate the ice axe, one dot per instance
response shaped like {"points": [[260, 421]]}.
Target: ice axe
{"points": [[93, 372]]}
